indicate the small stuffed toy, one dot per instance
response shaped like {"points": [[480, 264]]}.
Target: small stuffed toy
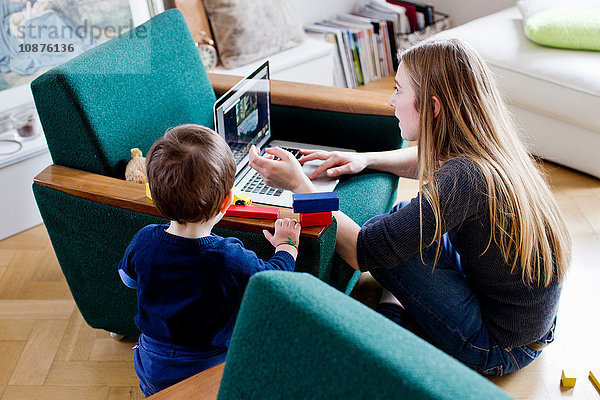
{"points": [[136, 167]]}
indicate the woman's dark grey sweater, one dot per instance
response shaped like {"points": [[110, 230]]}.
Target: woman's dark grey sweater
{"points": [[515, 313]]}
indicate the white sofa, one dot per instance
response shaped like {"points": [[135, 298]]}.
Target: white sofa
{"points": [[553, 93]]}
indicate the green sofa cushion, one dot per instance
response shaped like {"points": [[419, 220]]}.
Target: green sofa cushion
{"points": [[122, 94], [567, 25], [565, 28], [297, 338]]}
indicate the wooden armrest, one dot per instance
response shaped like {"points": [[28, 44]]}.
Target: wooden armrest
{"points": [[132, 196], [204, 385], [315, 97]]}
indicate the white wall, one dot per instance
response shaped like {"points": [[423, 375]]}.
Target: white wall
{"points": [[311, 11], [466, 10]]}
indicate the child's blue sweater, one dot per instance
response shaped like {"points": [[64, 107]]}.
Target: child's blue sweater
{"points": [[189, 290]]}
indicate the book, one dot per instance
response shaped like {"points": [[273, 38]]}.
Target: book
{"points": [[338, 75], [426, 9], [342, 51], [420, 20], [360, 34], [392, 12], [376, 50], [350, 51], [396, 24], [354, 48], [380, 26], [411, 13]]}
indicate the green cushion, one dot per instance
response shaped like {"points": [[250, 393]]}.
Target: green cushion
{"points": [[122, 94], [565, 28], [365, 195], [297, 338]]}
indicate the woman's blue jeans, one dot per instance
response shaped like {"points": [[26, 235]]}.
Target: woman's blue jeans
{"points": [[445, 307], [160, 365]]}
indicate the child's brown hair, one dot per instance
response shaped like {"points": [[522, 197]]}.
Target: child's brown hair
{"points": [[190, 171]]}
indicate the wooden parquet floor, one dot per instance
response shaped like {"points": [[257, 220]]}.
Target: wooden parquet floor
{"points": [[47, 351]]}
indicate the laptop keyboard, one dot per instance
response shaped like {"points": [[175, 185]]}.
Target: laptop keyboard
{"points": [[257, 185], [295, 152]]}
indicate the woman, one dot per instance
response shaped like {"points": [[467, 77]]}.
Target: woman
{"points": [[477, 258]]}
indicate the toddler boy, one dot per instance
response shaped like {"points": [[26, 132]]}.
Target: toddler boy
{"points": [[189, 281]]}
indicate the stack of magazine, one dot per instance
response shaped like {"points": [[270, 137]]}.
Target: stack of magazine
{"points": [[367, 40]]}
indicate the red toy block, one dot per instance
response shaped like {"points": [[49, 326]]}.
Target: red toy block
{"points": [[252, 212], [316, 219]]}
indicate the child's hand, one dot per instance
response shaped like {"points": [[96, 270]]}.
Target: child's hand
{"points": [[286, 237]]}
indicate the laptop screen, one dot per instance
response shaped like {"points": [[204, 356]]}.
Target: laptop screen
{"points": [[242, 115]]}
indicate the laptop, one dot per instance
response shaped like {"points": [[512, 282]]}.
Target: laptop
{"points": [[242, 118]]}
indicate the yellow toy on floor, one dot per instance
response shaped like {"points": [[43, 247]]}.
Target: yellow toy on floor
{"points": [[568, 378], [594, 378]]}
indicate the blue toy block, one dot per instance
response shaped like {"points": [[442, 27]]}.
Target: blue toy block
{"points": [[315, 202]]}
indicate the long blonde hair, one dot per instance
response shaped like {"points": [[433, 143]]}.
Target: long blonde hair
{"points": [[474, 123]]}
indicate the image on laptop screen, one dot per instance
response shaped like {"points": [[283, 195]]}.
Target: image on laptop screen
{"points": [[242, 114]]}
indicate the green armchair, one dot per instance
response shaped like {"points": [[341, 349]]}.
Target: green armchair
{"points": [[126, 93], [296, 338]]}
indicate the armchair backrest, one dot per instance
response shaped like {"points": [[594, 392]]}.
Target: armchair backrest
{"points": [[122, 94], [298, 338]]}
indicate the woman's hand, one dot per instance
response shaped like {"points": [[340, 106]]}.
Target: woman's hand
{"points": [[284, 173], [336, 162]]}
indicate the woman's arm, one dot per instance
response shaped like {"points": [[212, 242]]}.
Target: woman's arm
{"points": [[346, 238], [401, 162]]}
